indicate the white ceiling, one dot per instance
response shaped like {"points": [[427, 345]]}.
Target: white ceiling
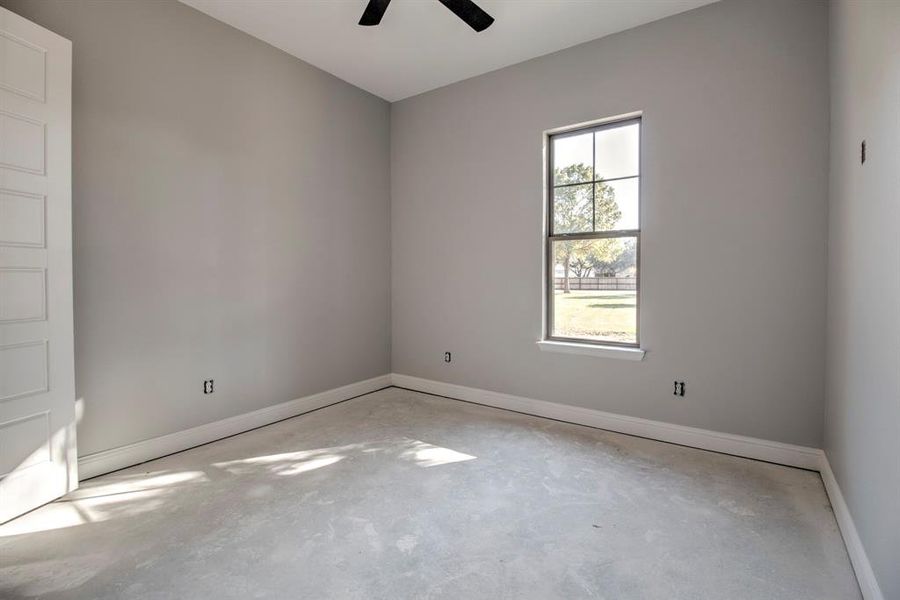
{"points": [[420, 45]]}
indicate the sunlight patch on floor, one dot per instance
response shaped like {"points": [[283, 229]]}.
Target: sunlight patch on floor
{"points": [[426, 455], [108, 498], [418, 452], [130, 494]]}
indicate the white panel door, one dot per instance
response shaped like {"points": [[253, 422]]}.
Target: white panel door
{"points": [[37, 382]]}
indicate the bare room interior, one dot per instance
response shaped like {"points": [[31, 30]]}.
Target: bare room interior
{"points": [[450, 299]]}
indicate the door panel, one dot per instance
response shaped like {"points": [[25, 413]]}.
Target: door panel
{"points": [[23, 68], [21, 219], [25, 443], [37, 390], [23, 370], [23, 295], [24, 143]]}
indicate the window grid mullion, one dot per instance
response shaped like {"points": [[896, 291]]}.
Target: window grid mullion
{"points": [[562, 185], [594, 235], [593, 183]]}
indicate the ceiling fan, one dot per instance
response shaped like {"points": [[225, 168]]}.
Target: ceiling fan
{"points": [[466, 10]]}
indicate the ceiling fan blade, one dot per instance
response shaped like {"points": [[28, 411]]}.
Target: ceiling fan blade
{"points": [[374, 11], [469, 12]]}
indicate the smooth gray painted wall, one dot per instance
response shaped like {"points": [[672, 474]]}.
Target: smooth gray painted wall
{"points": [[735, 163], [862, 424], [231, 218]]}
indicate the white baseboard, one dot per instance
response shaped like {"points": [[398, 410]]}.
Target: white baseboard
{"points": [[738, 445], [132, 454], [858, 558]]}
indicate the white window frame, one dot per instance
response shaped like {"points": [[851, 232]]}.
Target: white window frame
{"points": [[568, 345]]}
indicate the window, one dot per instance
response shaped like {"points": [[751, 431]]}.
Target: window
{"points": [[594, 234]]}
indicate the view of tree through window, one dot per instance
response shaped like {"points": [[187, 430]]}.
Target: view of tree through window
{"points": [[594, 234]]}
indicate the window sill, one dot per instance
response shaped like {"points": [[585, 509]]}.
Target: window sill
{"points": [[619, 352]]}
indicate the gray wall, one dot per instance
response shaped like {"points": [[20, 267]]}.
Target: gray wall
{"points": [[862, 425], [231, 217], [734, 211]]}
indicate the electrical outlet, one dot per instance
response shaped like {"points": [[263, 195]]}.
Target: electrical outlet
{"points": [[208, 386], [679, 388], [447, 357]]}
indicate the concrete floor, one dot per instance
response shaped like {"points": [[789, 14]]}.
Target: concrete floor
{"points": [[402, 495]]}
